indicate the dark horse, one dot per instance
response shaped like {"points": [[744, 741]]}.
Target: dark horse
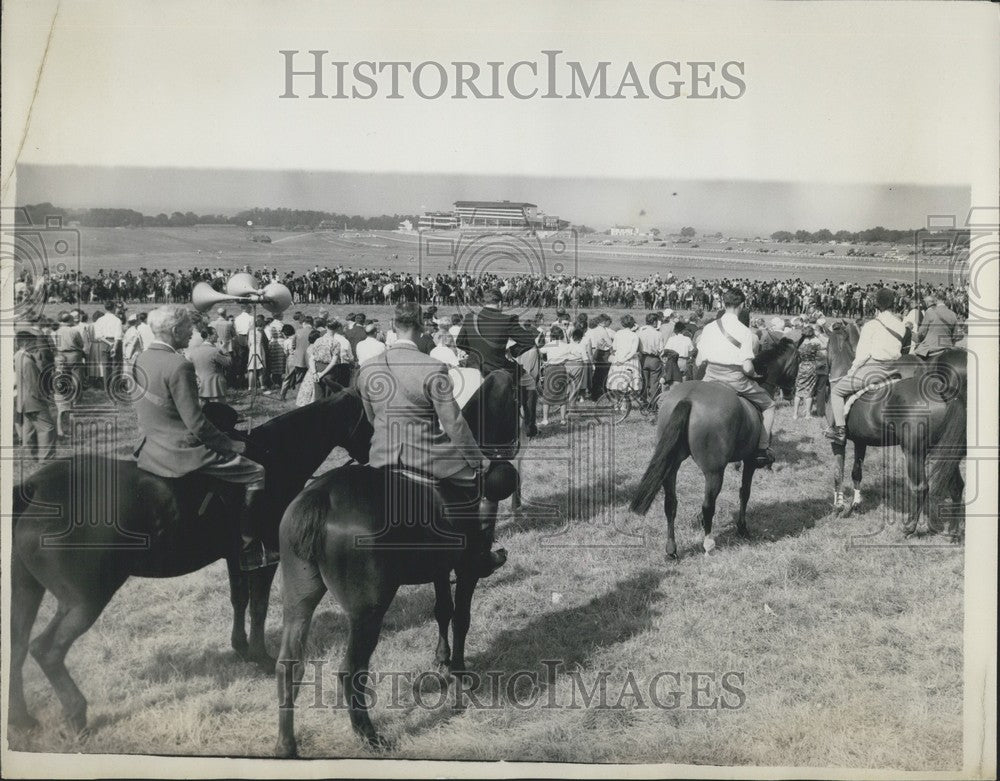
{"points": [[924, 413], [711, 423], [84, 525], [361, 534]]}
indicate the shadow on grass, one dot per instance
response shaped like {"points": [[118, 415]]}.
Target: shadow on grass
{"points": [[797, 452], [224, 667], [412, 607], [568, 636], [573, 634]]}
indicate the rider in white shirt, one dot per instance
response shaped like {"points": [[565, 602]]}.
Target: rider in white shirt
{"points": [[879, 343], [727, 346]]}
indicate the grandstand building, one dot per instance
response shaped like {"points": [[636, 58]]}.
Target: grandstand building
{"points": [[496, 214], [491, 215], [438, 221]]}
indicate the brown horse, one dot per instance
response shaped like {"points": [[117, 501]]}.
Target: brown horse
{"points": [[924, 413], [711, 423], [361, 533], [84, 525]]}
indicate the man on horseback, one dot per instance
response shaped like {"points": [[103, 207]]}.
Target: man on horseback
{"points": [[177, 438], [937, 326], [879, 343], [484, 336], [726, 345], [407, 435]]}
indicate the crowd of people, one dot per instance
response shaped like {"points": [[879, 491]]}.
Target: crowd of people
{"points": [[312, 355], [340, 286]]}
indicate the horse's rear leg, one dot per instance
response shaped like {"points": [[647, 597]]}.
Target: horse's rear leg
{"points": [[26, 596], [916, 482], [302, 589], [366, 625], [957, 525], [75, 615], [670, 510], [749, 467], [444, 609], [713, 484], [859, 461]]}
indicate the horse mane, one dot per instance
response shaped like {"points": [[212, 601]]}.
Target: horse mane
{"points": [[772, 352], [840, 348]]}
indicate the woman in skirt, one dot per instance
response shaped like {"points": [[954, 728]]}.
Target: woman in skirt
{"points": [[805, 380], [256, 354], [307, 390]]}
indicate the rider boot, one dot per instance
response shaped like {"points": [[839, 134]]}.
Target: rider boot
{"points": [[488, 560], [253, 554], [764, 456], [838, 431]]}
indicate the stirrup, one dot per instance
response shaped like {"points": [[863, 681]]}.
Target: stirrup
{"points": [[255, 556], [764, 457]]}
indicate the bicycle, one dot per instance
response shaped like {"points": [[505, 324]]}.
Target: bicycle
{"points": [[623, 401]]}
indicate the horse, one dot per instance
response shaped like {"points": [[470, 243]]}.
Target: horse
{"points": [[924, 412], [360, 535], [711, 423], [82, 526]]}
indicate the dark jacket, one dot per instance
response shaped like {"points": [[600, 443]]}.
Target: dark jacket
{"points": [[177, 437], [484, 336]]}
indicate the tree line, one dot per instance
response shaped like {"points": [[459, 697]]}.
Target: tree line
{"points": [[288, 219], [877, 234]]}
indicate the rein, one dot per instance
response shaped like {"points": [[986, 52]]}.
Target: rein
{"points": [[354, 431]]}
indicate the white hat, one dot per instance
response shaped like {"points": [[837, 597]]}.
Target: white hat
{"points": [[777, 322], [668, 313]]}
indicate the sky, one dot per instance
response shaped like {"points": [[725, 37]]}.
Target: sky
{"points": [[746, 208], [853, 114]]}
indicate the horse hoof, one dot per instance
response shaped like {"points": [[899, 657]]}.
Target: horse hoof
{"points": [[23, 721], [77, 722], [376, 742], [445, 674], [266, 663], [285, 750]]}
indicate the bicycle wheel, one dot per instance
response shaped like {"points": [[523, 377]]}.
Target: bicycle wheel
{"points": [[619, 403]]}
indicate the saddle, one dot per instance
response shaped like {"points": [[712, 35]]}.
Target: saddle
{"points": [[190, 498], [889, 381], [412, 511]]}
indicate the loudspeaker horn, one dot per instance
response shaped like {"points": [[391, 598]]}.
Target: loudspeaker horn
{"points": [[242, 284], [204, 297], [275, 298]]}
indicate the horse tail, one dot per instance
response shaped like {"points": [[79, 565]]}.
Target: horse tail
{"points": [[948, 451], [668, 455], [304, 523]]}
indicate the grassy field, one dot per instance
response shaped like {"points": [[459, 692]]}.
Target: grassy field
{"points": [[840, 646], [819, 642], [230, 247]]}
